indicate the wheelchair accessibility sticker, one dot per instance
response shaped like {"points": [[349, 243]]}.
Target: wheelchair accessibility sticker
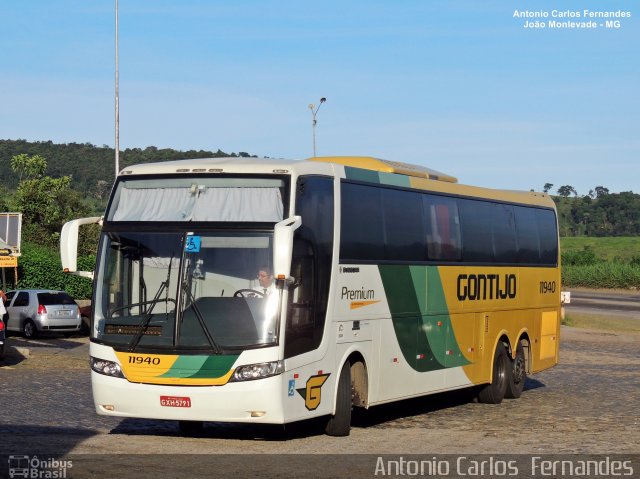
{"points": [[292, 387], [192, 244]]}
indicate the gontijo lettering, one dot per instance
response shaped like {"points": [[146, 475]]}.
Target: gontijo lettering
{"points": [[480, 287]]}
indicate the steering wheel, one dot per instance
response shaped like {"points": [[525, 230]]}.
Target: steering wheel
{"points": [[248, 293]]}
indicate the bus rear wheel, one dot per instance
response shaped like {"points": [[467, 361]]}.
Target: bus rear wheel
{"points": [[517, 374], [340, 423], [493, 393]]}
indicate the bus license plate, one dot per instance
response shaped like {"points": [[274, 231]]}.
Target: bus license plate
{"points": [[175, 401]]}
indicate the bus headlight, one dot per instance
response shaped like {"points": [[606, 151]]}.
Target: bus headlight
{"points": [[108, 368], [257, 371]]}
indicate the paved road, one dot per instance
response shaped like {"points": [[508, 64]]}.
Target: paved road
{"points": [[598, 302], [587, 404]]}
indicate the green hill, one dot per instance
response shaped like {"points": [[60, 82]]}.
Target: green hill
{"points": [[86, 163], [612, 214]]}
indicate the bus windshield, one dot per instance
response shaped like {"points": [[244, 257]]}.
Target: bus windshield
{"points": [[186, 290]]}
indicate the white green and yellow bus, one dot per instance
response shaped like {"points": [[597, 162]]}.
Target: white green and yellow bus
{"points": [[389, 281]]}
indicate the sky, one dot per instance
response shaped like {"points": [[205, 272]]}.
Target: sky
{"points": [[460, 86]]}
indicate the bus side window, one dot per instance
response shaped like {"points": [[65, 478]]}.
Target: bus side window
{"points": [[311, 265], [546, 220], [300, 314], [443, 228], [527, 235]]}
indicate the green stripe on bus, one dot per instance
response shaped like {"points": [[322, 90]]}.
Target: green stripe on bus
{"points": [[377, 177], [394, 179], [201, 366], [216, 366], [407, 323], [437, 312], [358, 174], [420, 317]]}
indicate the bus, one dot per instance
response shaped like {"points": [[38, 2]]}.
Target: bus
{"points": [[386, 281]]}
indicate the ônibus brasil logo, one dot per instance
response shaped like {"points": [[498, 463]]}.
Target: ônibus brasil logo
{"points": [[36, 468]]}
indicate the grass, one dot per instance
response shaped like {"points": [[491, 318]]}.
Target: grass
{"points": [[601, 322], [621, 248], [607, 262], [602, 275], [611, 263]]}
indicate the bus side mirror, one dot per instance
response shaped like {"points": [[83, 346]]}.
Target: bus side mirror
{"points": [[69, 245], [283, 246]]}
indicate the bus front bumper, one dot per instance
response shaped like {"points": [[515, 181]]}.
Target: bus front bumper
{"points": [[257, 401]]}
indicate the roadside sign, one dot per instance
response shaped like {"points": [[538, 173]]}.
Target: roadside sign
{"points": [[8, 261], [11, 231]]}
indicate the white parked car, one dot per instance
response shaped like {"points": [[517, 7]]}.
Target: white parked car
{"points": [[32, 311]]}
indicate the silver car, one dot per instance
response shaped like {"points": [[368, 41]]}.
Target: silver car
{"points": [[32, 311]]}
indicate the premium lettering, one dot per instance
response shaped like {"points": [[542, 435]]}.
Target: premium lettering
{"points": [[481, 287], [362, 293]]}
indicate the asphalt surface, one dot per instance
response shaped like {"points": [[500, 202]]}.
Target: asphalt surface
{"points": [[626, 304]]}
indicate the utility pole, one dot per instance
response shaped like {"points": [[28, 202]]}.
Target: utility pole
{"points": [[314, 112], [117, 105]]}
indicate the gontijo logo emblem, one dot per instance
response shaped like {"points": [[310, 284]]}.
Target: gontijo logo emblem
{"points": [[312, 392]]}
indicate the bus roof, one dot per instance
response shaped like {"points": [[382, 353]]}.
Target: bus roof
{"points": [[209, 165], [212, 165], [418, 177], [386, 166]]}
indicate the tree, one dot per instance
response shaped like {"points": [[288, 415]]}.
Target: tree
{"points": [[88, 163], [601, 191], [547, 187], [45, 203], [28, 166], [101, 189], [566, 190]]}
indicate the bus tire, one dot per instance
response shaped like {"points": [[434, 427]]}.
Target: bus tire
{"points": [[340, 423], [517, 374], [191, 428], [493, 393]]}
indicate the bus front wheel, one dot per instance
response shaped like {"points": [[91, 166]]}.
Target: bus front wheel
{"points": [[340, 423], [493, 393]]}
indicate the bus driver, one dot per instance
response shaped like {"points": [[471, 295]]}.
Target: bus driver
{"points": [[265, 278]]}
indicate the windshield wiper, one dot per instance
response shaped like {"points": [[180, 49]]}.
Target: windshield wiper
{"points": [[144, 324], [196, 309]]}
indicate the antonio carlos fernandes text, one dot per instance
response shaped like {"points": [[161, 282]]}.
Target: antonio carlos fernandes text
{"points": [[493, 467]]}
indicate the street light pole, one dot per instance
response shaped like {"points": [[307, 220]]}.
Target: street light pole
{"points": [[117, 105], [314, 112]]}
